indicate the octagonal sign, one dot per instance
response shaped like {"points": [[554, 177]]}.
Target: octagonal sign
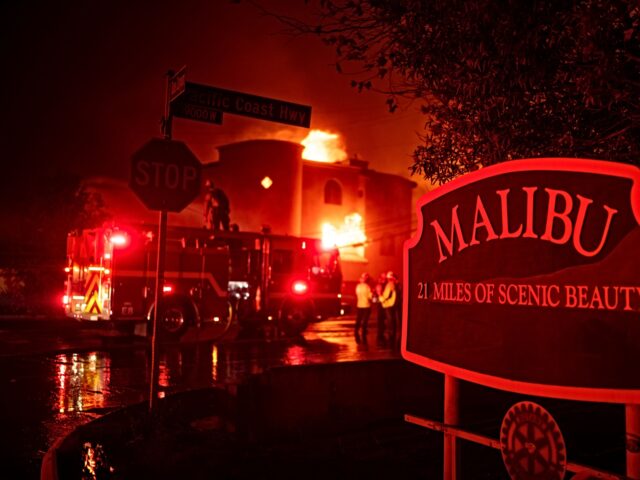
{"points": [[165, 175]]}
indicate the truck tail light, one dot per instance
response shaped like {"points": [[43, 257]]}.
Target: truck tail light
{"points": [[299, 287], [167, 289]]}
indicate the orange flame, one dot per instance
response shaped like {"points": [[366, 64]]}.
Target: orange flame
{"points": [[322, 146], [348, 237]]}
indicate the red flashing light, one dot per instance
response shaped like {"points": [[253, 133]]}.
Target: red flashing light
{"points": [[118, 239], [299, 287], [167, 289]]}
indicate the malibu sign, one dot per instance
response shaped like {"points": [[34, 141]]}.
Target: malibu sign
{"points": [[525, 276]]}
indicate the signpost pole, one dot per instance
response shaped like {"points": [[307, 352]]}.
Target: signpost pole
{"points": [[451, 419], [162, 236], [162, 243], [632, 413]]}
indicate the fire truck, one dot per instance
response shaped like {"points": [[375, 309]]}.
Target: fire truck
{"points": [[252, 279]]}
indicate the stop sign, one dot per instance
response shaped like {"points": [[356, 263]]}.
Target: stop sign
{"points": [[165, 175]]}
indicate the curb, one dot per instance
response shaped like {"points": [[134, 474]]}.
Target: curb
{"points": [[49, 467]]}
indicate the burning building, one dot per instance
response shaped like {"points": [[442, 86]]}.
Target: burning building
{"points": [[364, 212]]}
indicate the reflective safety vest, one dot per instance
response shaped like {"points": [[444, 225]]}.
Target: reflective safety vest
{"points": [[388, 298]]}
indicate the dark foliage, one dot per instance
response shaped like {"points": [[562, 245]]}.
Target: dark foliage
{"points": [[41, 212], [39, 209], [497, 80]]}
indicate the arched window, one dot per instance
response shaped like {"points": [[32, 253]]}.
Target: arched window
{"points": [[333, 193]]}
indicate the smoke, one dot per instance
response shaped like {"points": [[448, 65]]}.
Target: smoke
{"points": [[320, 145]]}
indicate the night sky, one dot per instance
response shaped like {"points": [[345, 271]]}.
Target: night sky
{"points": [[83, 83]]}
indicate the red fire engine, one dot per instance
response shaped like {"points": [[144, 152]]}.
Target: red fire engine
{"points": [[215, 277]]}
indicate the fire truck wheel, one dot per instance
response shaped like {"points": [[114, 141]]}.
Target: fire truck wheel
{"points": [[174, 320], [295, 317]]}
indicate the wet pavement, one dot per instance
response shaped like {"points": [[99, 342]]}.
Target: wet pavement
{"points": [[56, 377], [309, 421], [41, 335], [45, 394], [340, 420]]}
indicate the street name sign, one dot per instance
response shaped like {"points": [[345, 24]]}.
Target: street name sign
{"points": [[525, 276], [179, 108], [165, 175], [254, 106], [177, 84]]}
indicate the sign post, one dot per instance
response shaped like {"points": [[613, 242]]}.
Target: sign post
{"points": [[166, 176], [162, 248], [525, 277], [451, 418], [157, 311], [632, 416]]}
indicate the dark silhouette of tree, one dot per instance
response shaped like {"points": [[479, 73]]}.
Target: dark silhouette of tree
{"points": [[43, 212], [497, 80], [39, 212]]}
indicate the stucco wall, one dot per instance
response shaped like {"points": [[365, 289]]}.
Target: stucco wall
{"points": [[239, 171], [315, 212]]}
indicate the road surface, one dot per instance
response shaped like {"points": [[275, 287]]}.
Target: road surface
{"points": [[57, 374]]}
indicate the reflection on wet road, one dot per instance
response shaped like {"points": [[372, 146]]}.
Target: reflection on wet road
{"points": [[44, 397]]}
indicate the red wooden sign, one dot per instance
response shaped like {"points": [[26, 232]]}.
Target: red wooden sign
{"points": [[525, 276]]}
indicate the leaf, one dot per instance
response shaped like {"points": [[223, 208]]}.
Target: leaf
{"points": [[499, 80]]}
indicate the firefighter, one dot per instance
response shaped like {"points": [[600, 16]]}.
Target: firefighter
{"points": [[363, 307], [216, 208], [388, 301], [380, 316]]}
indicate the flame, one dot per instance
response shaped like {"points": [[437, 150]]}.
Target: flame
{"points": [[322, 146], [348, 237]]}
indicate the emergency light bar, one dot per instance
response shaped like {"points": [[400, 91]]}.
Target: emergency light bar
{"points": [[118, 239]]}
